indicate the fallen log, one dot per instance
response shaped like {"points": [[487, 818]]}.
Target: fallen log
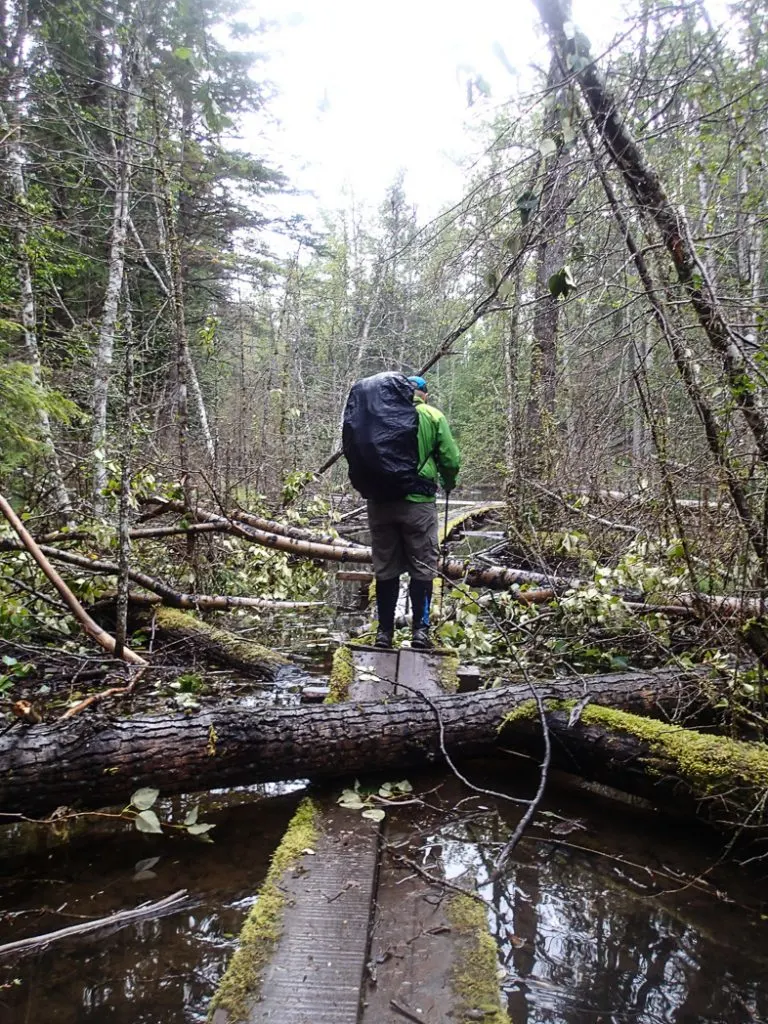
{"points": [[219, 645], [719, 781], [205, 517], [93, 761]]}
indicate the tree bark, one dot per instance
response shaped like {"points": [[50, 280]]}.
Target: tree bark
{"points": [[134, 72], [14, 163], [44, 766]]}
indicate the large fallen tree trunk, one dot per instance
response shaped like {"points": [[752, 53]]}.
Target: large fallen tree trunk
{"points": [[93, 762]]}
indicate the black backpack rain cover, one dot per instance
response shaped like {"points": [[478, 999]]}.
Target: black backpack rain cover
{"points": [[380, 438]]}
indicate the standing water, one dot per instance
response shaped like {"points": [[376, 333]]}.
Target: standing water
{"points": [[605, 914]]}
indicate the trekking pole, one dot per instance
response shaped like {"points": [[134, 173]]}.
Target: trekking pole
{"points": [[445, 555]]}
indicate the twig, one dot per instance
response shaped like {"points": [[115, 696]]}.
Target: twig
{"points": [[503, 857], [121, 918], [113, 691], [405, 1012], [447, 756], [444, 883]]}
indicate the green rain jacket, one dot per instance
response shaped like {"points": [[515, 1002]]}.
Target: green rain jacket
{"points": [[439, 456]]}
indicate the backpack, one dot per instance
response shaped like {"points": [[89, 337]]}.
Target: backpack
{"points": [[379, 438]]}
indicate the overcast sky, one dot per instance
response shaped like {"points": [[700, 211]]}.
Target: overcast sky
{"points": [[369, 88]]}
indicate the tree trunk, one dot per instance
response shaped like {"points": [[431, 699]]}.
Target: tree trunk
{"points": [[10, 126], [645, 186], [44, 766], [134, 73], [219, 645]]}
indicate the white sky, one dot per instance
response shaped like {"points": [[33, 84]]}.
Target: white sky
{"points": [[368, 88]]}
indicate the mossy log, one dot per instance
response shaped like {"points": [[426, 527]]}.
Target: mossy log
{"points": [[92, 761], [219, 645], [720, 781]]}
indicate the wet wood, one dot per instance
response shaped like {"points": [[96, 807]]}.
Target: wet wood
{"points": [[92, 761], [218, 645], [721, 782]]}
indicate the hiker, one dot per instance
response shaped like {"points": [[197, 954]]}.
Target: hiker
{"points": [[397, 447]]}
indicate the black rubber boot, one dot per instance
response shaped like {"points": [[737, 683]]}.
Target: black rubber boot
{"points": [[420, 592], [386, 600], [421, 640]]}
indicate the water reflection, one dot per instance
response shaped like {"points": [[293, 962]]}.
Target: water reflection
{"points": [[585, 932], [593, 935]]}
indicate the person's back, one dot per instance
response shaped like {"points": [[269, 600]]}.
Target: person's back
{"points": [[404, 527]]}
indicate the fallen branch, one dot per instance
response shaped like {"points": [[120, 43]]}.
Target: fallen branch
{"points": [[112, 691], [205, 602], [226, 522], [168, 905], [91, 628]]}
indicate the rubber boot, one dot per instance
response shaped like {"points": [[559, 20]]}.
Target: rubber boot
{"points": [[386, 600], [421, 596]]}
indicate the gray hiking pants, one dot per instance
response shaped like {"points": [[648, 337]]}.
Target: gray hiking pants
{"points": [[404, 538]]}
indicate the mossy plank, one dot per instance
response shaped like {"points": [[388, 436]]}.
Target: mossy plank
{"points": [[475, 979], [240, 986]]}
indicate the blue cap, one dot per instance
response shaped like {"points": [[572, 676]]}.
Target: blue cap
{"points": [[419, 383]]}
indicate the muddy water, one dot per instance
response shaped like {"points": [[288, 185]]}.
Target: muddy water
{"points": [[599, 917]]}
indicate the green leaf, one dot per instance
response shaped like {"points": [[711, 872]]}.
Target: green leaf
{"points": [[191, 818], [561, 283], [200, 829], [143, 799], [547, 148], [404, 786], [374, 814], [147, 821], [9, 661], [182, 53], [351, 803]]}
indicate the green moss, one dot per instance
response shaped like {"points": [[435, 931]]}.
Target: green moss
{"points": [[342, 675], [448, 673], [475, 978], [525, 710], [709, 764], [470, 513], [245, 652], [239, 988]]}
